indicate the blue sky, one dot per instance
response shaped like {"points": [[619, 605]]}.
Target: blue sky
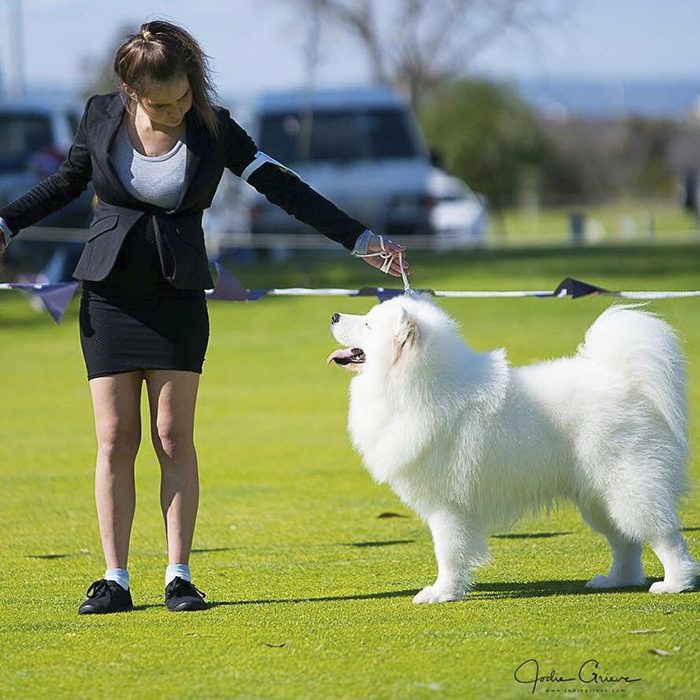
{"points": [[256, 44]]}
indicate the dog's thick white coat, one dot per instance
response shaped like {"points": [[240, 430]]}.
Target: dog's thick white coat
{"points": [[471, 444]]}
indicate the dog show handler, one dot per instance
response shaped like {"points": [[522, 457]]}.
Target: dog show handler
{"points": [[155, 151]]}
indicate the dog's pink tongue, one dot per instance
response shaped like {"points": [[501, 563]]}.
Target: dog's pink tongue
{"points": [[342, 354]]}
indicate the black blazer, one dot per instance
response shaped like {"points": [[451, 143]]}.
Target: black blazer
{"points": [[178, 232]]}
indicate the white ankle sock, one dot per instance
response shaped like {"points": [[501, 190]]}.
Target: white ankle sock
{"points": [[181, 570], [121, 576]]}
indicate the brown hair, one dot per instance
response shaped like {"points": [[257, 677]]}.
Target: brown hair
{"points": [[161, 51]]}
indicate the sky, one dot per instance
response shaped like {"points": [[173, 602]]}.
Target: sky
{"points": [[258, 44]]}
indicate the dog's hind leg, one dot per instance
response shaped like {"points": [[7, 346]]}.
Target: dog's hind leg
{"points": [[650, 516], [626, 569], [680, 569], [459, 550]]}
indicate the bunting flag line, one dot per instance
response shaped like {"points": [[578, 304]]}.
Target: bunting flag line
{"points": [[56, 297]]}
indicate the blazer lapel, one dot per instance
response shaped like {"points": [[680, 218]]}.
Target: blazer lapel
{"points": [[196, 143], [106, 130]]}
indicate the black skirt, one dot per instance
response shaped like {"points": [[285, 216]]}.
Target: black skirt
{"points": [[135, 320], [126, 334]]}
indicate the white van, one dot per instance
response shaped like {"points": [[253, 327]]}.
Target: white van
{"points": [[360, 147]]}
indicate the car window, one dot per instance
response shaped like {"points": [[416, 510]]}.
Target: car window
{"points": [[21, 136], [338, 135]]}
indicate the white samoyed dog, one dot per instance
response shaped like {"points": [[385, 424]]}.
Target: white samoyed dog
{"points": [[471, 443]]}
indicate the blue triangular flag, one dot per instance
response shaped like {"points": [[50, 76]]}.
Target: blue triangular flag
{"points": [[227, 286], [576, 288], [55, 297]]}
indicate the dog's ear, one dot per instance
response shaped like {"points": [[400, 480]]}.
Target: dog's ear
{"points": [[406, 335]]}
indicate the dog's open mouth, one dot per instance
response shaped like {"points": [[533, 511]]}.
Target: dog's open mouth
{"points": [[347, 357]]}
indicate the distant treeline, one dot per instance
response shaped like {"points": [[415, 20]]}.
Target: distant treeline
{"points": [[485, 133]]}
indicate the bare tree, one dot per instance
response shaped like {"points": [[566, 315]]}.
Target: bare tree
{"points": [[413, 44]]}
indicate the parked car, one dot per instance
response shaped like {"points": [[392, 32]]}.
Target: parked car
{"points": [[459, 216], [35, 135], [361, 148]]}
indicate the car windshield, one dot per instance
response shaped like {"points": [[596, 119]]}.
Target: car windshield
{"points": [[338, 135], [21, 136]]}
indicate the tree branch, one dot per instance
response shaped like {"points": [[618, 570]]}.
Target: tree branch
{"points": [[423, 41]]}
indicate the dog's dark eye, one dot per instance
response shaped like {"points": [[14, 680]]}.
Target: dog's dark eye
{"points": [[367, 325]]}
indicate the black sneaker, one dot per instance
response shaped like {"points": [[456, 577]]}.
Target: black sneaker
{"points": [[182, 595], [106, 597]]}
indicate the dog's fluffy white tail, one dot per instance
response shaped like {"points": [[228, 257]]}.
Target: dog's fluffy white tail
{"points": [[647, 349]]}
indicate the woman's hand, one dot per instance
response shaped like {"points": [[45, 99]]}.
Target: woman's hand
{"points": [[385, 255]]}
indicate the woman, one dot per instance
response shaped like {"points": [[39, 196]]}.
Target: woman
{"points": [[155, 152]]}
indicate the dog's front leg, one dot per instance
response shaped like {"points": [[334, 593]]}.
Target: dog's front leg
{"points": [[458, 550]]}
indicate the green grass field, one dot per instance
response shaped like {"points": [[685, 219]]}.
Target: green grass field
{"points": [[311, 590], [627, 221]]}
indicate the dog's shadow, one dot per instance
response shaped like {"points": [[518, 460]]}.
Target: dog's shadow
{"points": [[528, 535], [541, 589], [482, 591]]}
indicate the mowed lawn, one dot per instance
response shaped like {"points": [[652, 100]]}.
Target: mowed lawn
{"points": [[311, 588]]}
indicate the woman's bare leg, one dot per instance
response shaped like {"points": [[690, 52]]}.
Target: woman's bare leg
{"points": [[172, 396], [117, 407]]}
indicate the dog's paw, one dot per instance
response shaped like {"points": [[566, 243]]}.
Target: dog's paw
{"points": [[602, 582], [670, 587], [433, 594]]}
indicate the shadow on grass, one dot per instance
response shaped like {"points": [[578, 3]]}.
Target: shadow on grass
{"points": [[322, 599], [386, 543], [482, 592], [540, 589], [529, 535]]}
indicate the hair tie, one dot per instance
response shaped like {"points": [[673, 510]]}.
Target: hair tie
{"points": [[146, 35]]}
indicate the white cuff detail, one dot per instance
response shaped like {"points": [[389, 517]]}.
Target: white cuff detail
{"points": [[260, 160], [5, 229], [362, 243]]}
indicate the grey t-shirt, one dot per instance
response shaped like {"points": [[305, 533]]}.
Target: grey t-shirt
{"points": [[156, 180]]}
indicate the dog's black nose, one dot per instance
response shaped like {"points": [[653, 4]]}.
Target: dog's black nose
{"points": [[335, 318]]}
